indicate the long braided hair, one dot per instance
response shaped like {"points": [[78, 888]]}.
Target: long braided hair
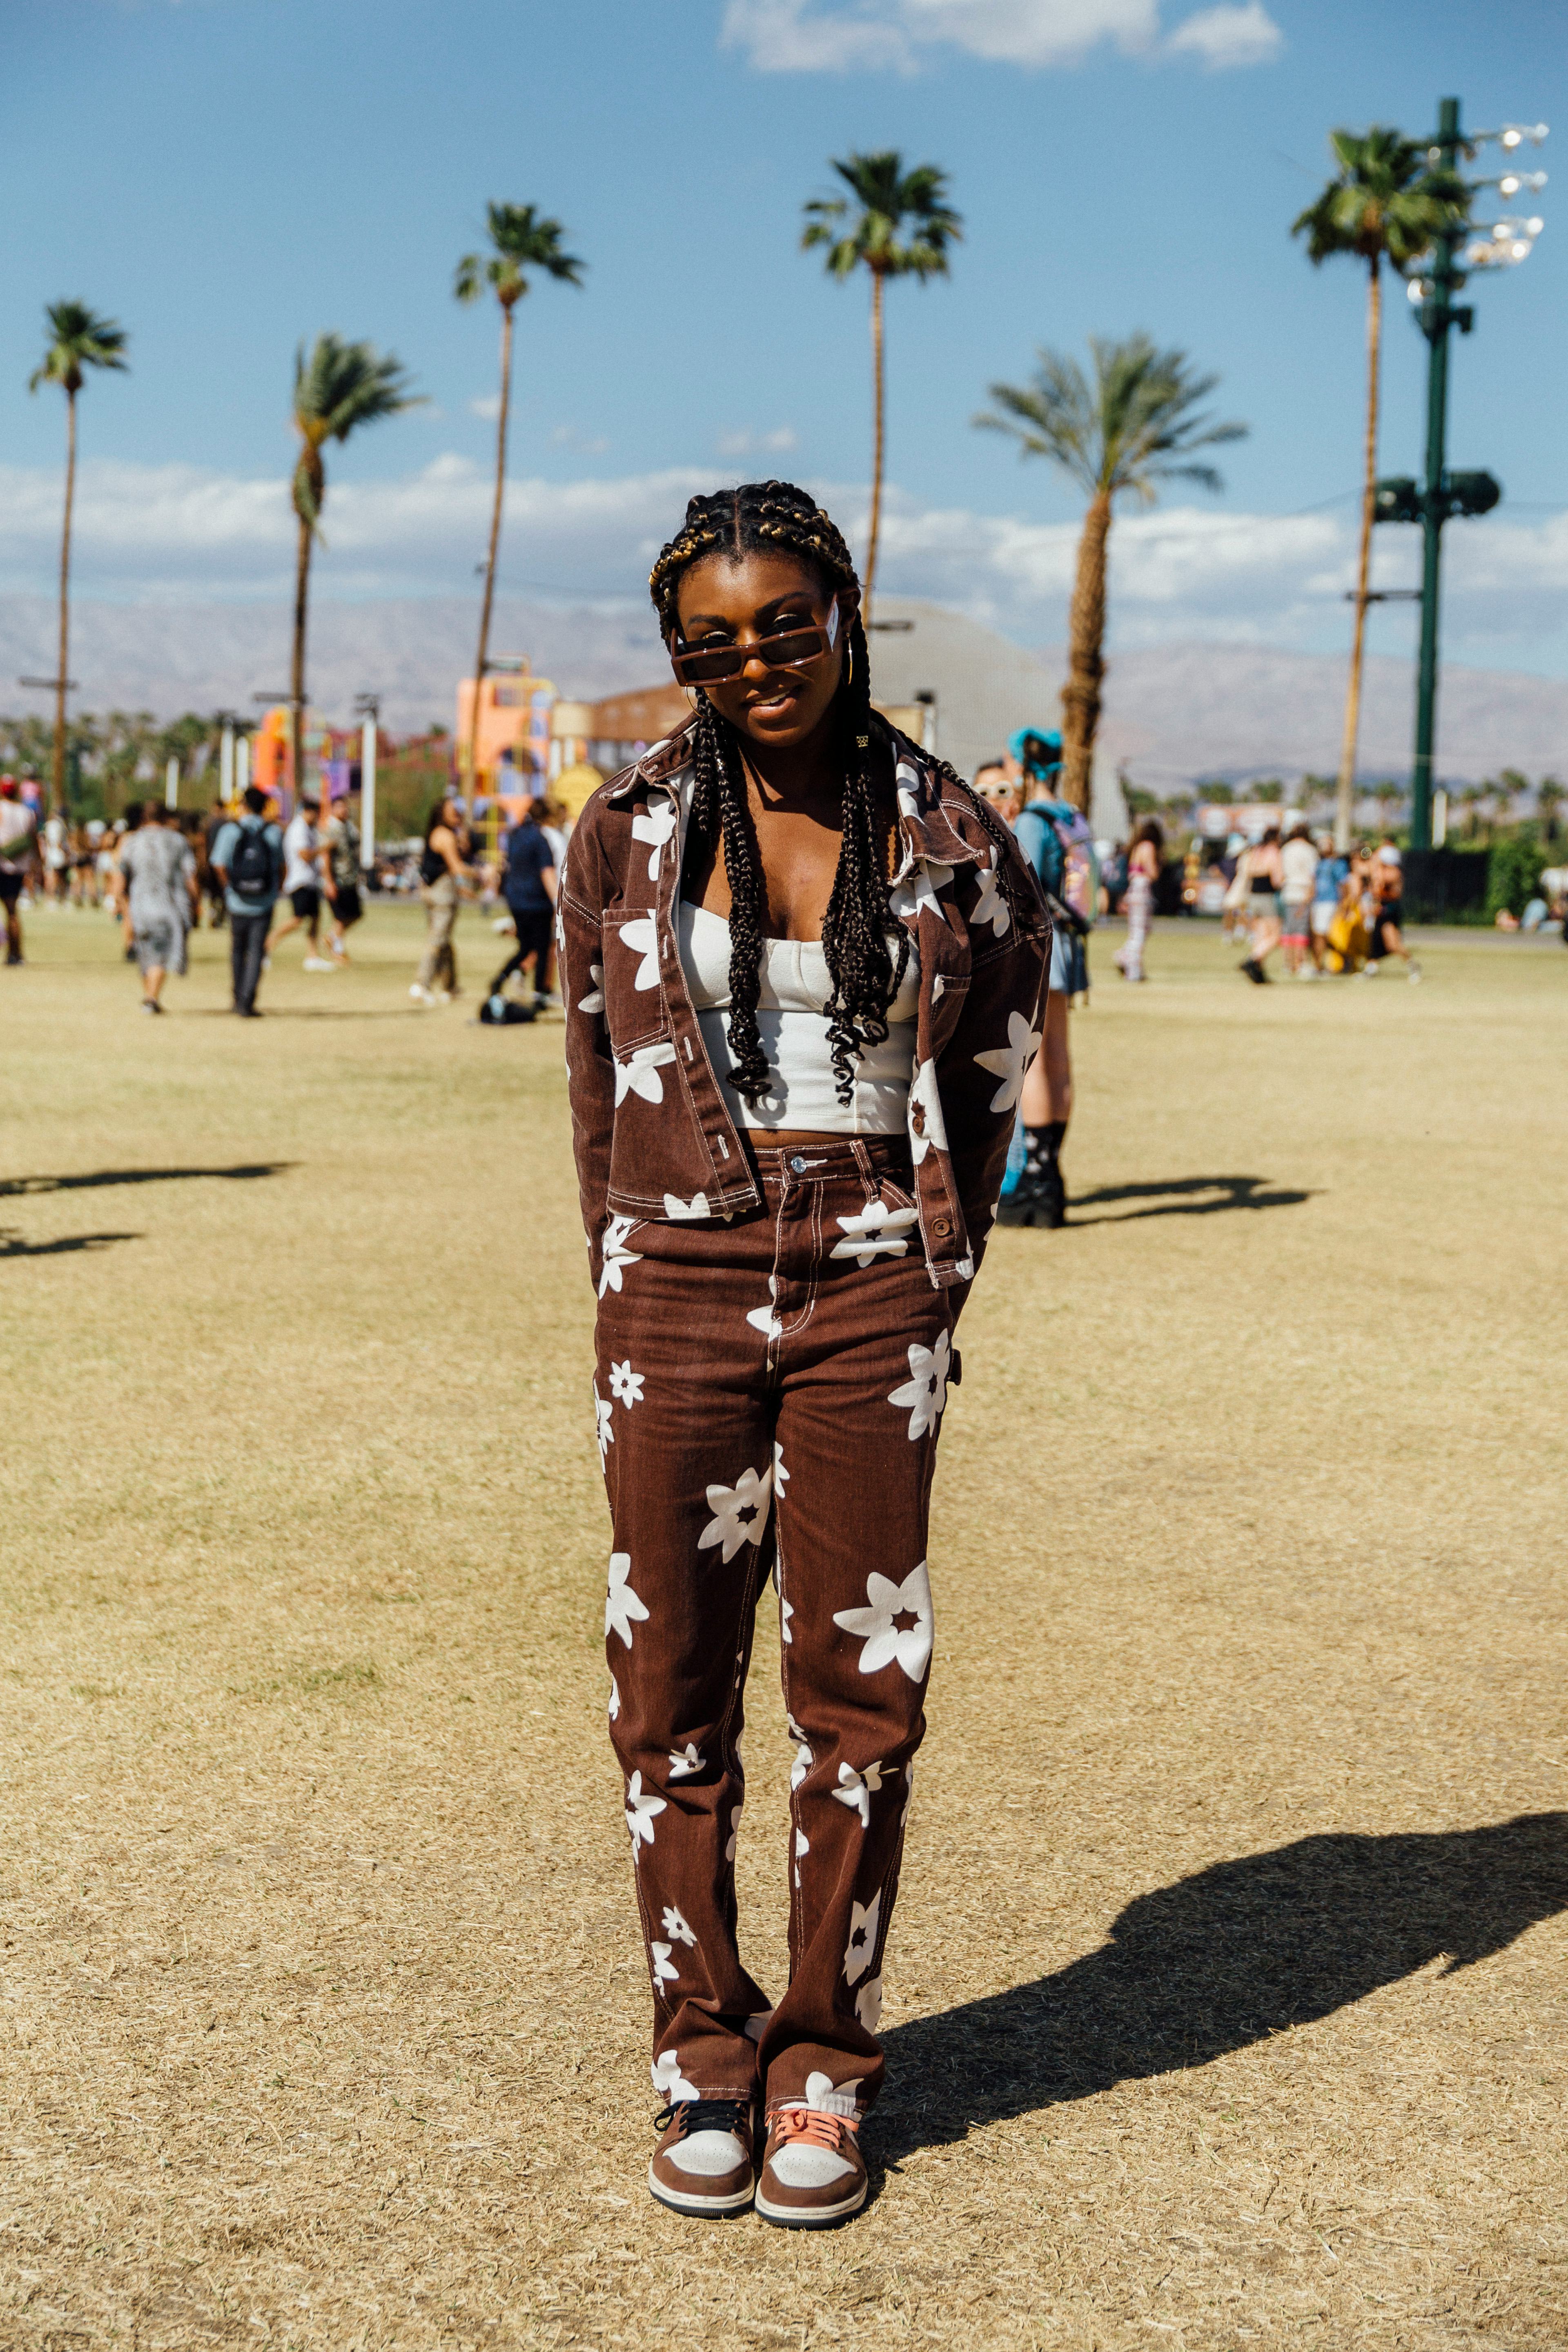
{"points": [[866, 975]]}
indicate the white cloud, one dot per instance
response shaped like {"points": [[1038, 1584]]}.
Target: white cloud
{"points": [[571, 437], [846, 35], [148, 533], [1229, 35], [748, 445], [487, 407]]}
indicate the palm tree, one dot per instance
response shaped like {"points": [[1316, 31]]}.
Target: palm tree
{"points": [[339, 386], [1549, 799], [79, 340], [520, 241], [885, 197], [1129, 430], [1384, 203]]}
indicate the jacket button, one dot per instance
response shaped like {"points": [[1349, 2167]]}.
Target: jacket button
{"points": [[941, 1229]]}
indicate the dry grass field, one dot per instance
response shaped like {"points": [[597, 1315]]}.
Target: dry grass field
{"points": [[1227, 1993]]}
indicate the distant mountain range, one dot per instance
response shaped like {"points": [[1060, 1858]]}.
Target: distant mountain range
{"points": [[1172, 713]]}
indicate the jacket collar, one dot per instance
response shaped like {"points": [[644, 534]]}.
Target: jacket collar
{"points": [[926, 829]]}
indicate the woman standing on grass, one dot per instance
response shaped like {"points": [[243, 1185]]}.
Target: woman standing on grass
{"points": [[1262, 874], [802, 969], [443, 877], [1143, 861]]}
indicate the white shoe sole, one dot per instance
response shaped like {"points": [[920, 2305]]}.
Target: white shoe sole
{"points": [[703, 2209], [821, 2217]]}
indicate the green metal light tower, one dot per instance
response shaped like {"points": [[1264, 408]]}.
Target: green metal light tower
{"points": [[1441, 493]]}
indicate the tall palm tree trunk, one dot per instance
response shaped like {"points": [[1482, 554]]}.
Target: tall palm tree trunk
{"points": [[1086, 669], [1345, 810], [297, 674], [877, 440], [57, 768], [483, 654]]}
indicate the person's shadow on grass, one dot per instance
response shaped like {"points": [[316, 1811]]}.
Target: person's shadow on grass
{"points": [[1185, 1196], [1220, 1961]]}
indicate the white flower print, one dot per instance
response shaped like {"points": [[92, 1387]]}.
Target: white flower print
{"points": [[991, 907], [781, 1475], [924, 1394], [594, 999], [674, 1926], [663, 1967], [642, 938], [763, 1319], [1010, 1062], [862, 1937], [909, 1793], [602, 1412], [735, 1833], [923, 1097], [919, 888], [964, 1268], [740, 1513], [887, 1641], [787, 1611], [614, 1699], [622, 1606], [685, 1210], [832, 2098], [802, 1843], [881, 1231], [804, 1761], [560, 929], [857, 1790], [684, 1761], [641, 1807], [614, 1254], [639, 1076], [656, 827], [626, 1386], [668, 2078], [869, 2003]]}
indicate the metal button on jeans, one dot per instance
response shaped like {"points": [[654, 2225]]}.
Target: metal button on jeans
{"points": [[797, 1165]]}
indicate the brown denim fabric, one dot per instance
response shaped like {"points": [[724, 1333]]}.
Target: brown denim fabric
{"points": [[655, 1135], [769, 1393]]}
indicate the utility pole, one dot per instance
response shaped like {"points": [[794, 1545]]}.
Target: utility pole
{"points": [[1443, 494], [1437, 314]]}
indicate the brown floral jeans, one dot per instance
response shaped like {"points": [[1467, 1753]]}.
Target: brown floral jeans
{"points": [[769, 1393]]}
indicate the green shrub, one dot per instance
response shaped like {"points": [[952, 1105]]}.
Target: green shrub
{"points": [[1514, 866]]}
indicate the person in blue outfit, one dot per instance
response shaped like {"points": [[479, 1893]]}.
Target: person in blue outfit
{"points": [[1055, 839], [530, 882], [247, 858]]}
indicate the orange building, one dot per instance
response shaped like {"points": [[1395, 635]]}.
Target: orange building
{"points": [[513, 726], [272, 754]]}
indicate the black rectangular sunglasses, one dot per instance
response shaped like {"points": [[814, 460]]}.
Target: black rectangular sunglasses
{"points": [[783, 650]]}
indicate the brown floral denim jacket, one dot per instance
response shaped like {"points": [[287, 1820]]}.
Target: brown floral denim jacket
{"points": [[655, 1136]]}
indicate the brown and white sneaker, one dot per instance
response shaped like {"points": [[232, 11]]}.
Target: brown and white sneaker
{"points": [[702, 2164], [812, 2173]]}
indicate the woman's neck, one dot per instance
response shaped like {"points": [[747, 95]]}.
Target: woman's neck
{"points": [[796, 776]]}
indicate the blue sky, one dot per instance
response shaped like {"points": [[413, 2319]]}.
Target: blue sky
{"points": [[226, 176]]}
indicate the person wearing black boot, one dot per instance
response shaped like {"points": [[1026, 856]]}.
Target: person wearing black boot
{"points": [[1043, 827]]}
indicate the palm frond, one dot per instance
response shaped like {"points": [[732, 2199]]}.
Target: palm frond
{"points": [[522, 239], [78, 338], [1387, 202], [871, 231], [1131, 427], [341, 386]]}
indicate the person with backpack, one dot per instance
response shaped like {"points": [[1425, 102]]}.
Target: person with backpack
{"points": [[529, 886], [247, 858], [1055, 840]]}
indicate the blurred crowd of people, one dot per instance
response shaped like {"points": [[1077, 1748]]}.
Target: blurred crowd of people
{"points": [[1326, 912], [160, 872]]}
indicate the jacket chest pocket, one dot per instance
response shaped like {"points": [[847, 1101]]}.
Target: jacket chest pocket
{"points": [[633, 1000]]}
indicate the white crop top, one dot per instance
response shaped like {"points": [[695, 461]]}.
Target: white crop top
{"points": [[792, 988]]}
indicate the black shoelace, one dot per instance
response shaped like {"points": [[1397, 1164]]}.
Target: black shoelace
{"points": [[705, 2114]]}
